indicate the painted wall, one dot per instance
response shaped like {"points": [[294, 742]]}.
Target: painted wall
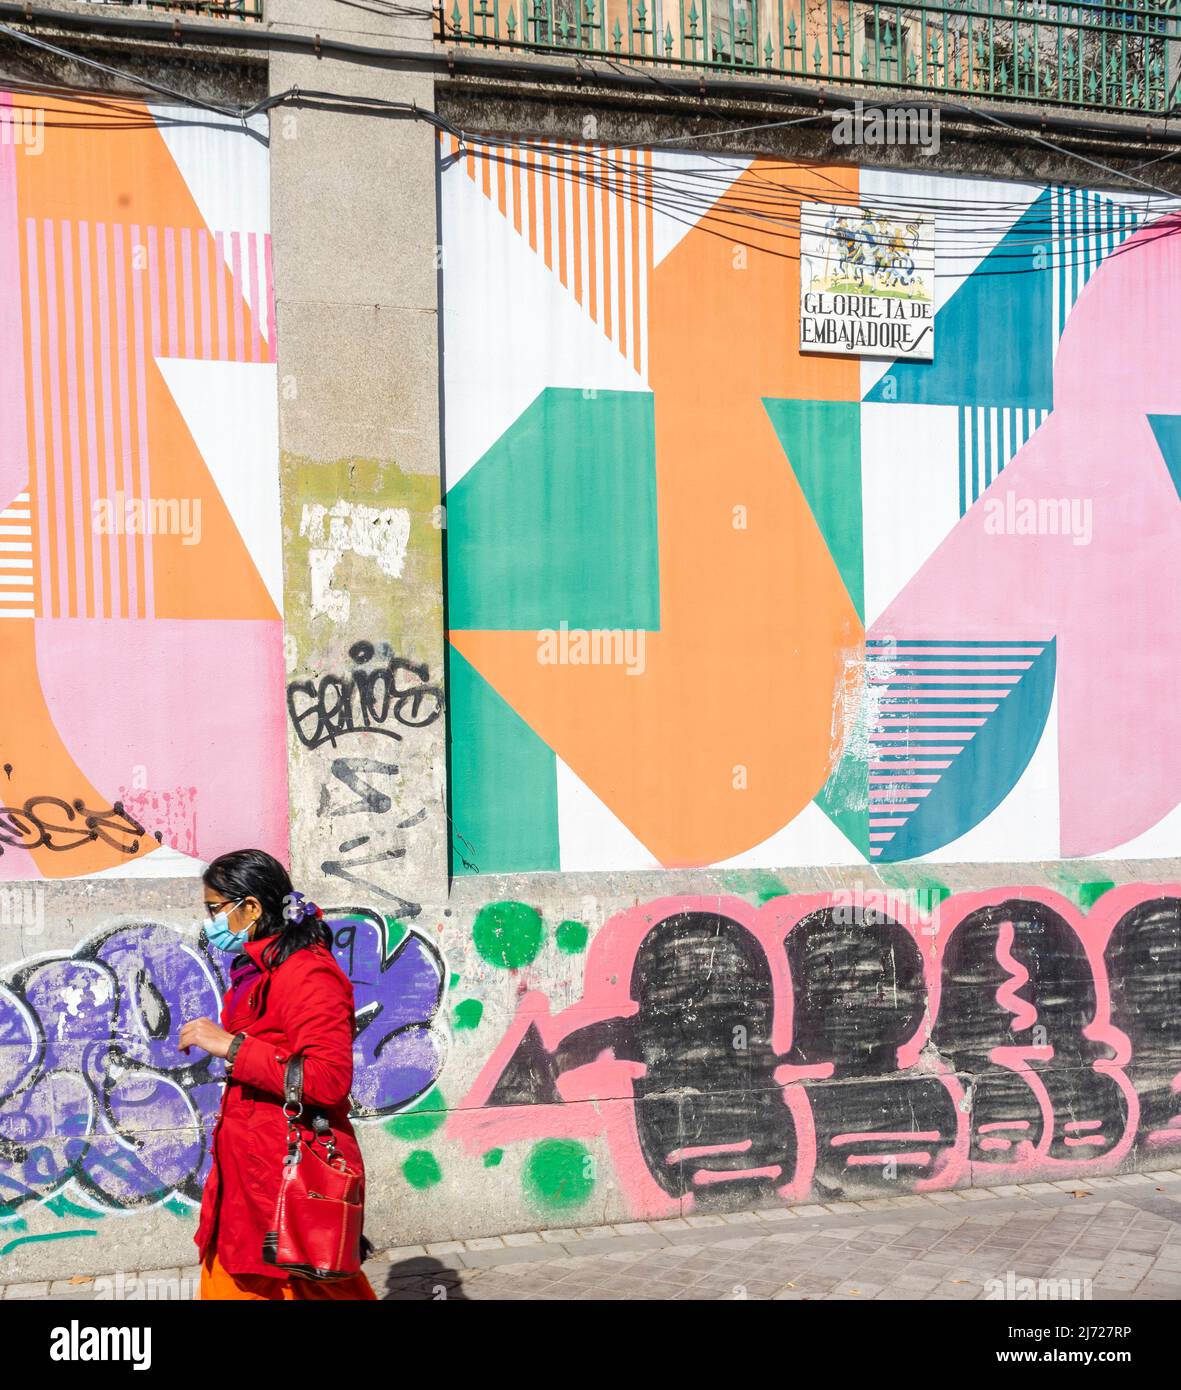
{"points": [[640, 996], [140, 553], [714, 602]]}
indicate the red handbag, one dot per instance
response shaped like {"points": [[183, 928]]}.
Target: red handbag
{"points": [[316, 1230]]}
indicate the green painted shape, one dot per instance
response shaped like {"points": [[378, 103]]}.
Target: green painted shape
{"points": [[421, 1169], [62, 1206], [454, 978], [421, 1118], [504, 782], [394, 932], [822, 441], [932, 896], [492, 1158], [557, 521], [1090, 893], [508, 935], [178, 1207], [844, 798], [762, 884], [571, 937], [56, 1235], [467, 1014], [559, 1174], [923, 894]]}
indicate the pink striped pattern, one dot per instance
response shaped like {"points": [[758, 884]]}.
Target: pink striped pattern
{"points": [[929, 733]]}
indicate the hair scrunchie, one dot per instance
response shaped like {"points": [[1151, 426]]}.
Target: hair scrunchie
{"points": [[297, 908]]}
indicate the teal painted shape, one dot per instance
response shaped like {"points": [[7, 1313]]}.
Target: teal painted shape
{"points": [[504, 782], [980, 777], [557, 522], [844, 799], [1167, 429], [822, 441], [994, 336]]}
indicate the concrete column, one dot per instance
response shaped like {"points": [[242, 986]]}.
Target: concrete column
{"points": [[354, 221]]}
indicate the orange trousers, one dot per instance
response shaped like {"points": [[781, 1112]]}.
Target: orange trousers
{"points": [[218, 1283]]}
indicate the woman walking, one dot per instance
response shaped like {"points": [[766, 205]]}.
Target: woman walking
{"points": [[287, 996]]}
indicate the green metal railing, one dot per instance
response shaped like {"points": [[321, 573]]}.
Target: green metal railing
{"points": [[1112, 57]]}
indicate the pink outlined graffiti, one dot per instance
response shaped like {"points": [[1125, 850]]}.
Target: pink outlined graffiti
{"points": [[1035, 1039], [877, 1047]]}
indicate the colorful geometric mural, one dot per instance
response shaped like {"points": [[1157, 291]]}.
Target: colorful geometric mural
{"points": [[714, 602], [140, 564]]}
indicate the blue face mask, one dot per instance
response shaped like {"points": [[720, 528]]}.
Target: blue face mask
{"points": [[218, 934]]}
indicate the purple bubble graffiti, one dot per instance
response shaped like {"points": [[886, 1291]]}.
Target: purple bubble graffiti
{"points": [[93, 1089], [399, 1050]]}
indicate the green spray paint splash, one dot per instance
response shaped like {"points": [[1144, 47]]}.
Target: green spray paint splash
{"points": [[62, 1206], [571, 938], [763, 885], [1090, 893], [468, 1013], [492, 1158], [559, 1174], [420, 1119], [508, 935], [421, 1169]]}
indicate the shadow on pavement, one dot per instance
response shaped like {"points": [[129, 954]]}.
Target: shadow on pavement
{"points": [[423, 1279]]}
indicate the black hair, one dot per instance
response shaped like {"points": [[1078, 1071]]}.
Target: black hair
{"points": [[253, 873]]}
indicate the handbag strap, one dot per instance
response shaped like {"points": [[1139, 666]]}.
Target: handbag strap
{"points": [[293, 1108], [293, 1081]]}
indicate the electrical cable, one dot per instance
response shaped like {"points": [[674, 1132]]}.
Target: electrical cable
{"points": [[34, 42], [663, 199], [724, 223]]}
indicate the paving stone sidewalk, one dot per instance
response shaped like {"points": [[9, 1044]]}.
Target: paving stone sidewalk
{"points": [[1113, 1238]]}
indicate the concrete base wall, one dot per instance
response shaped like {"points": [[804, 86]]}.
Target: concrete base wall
{"points": [[598, 1043]]}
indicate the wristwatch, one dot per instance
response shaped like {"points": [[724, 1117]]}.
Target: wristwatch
{"points": [[235, 1044]]}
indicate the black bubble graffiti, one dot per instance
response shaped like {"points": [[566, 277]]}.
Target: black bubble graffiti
{"points": [[1013, 1064]]}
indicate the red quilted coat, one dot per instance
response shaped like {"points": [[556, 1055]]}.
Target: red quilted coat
{"points": [[304, 1005]]}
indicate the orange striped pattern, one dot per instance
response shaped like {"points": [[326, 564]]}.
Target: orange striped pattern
{"points": [[102, 302], [587, 211]]}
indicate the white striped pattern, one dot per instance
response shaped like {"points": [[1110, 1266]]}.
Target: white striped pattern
{"points": [[18, 596], [1085, 227]]}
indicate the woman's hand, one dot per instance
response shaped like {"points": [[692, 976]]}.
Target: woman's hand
{"points": [[205, 1034]]}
